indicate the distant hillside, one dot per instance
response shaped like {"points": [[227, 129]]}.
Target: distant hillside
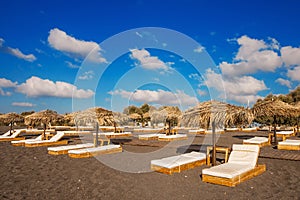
{"points": [[291, 98]]}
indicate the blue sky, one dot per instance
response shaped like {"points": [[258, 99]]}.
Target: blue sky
{"points": [[69, 56]]}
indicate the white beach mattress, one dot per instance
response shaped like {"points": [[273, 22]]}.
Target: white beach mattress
{"points": [[227, 170], [175, 161], [69, 147], [290, 142], [39, 138], [173, 136], [285, 132], [196, 131], [257, 140], [94, 149]]}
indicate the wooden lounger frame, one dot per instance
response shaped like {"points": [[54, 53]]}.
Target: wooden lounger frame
{"points": [[149, 138], [46, 143], [232, 182], [119, 135], [288, 147], [260, 145], [11, 139], [179, 168], [91, 154]]}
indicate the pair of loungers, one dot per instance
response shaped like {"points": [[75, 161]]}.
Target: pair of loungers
{"points": [[14, 136], [84, 150], [242, 165]]}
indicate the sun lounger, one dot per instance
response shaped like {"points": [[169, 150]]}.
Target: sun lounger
{"points": [[22, 142], [178, 163], [249, 129], [218, 131], [89, 152], [64, 149], [289, 144], [197, 131], [55, 140], [260, 141], [5, 134], [149, 130], [232, 129], [114, 135], [241, 166], [14, 135], [153, 136], [172, 137]]}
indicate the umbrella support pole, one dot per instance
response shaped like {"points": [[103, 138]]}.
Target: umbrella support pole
{"points": [[214, 143]]}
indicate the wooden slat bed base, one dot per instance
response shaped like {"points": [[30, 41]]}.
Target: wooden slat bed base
{"points": [[236, 180], [47, 144], [179, 168], [88, 154]]}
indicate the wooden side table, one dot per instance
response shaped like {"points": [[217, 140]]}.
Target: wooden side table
{"points": [[218, 149]]}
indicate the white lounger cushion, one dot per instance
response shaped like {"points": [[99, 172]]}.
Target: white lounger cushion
{"points": [[39, 138], [149, 135], [227, 170], [175, 161], [197, 130], [94, 149], [290, 142], [173, 136], [69, 147], [257, 140], [285, 132], [15, 134]]}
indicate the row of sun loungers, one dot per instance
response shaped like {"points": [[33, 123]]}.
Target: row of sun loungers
{"points": [[163, 137]]}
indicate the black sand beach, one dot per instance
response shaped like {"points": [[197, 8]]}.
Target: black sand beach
{"points": [[30, 173]]}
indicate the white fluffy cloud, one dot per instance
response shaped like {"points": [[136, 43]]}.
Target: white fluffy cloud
{"points": [[240, 89], [87, 75], [22, 104], [160, 97], [253, 55], [294, 73], [199, 49], [61, 41], [5, 83], [147, 61], [35, 87], [284, 82], [16, 52], [290, 55]]}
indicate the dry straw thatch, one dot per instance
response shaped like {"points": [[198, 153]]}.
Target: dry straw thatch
{"points": [[11, 118], [224, 115], [43, 117], [90, 116]]}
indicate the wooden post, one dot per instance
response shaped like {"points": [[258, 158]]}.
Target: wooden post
{"points": [[44, 133], [97, 139], [11, 125], [275, 136], [214, 143]]}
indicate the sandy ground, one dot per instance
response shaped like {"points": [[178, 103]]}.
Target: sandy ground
{"points": [[30, 173]]}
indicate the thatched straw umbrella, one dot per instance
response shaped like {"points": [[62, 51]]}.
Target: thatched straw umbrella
{"points": [[275, 109], [224, 115], [169, 115], [43, 117], [97, 116], [11, 118], [216, 114]]}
